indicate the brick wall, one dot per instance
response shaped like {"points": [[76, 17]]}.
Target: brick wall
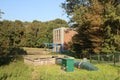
{"points": [[68, 34]]}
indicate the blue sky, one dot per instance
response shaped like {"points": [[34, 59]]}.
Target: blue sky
{"points": [[29, 10]]}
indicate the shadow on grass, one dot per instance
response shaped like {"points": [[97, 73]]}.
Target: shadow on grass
{"points": [[70, 53], [13, 55], [115, 66], [18, 51]]}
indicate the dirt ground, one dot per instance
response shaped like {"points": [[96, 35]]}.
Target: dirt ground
{"points": [[36, 51]]}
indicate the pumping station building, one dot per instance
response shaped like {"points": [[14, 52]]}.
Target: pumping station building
{"points": [[61, 38]]}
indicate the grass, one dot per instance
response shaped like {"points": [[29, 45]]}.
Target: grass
{"points": [[20, 71], [54, 72], [15, 71], [27, 48]]}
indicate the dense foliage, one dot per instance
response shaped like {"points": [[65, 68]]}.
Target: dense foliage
{"points": [[97, 23], [16, 34]]}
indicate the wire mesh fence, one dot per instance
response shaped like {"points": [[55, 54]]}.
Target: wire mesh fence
{"points": [[106, 58]]}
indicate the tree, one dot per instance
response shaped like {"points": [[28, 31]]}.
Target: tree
{"points": [[39, 32], [32, 32], [11, 34], [57, 23], [5, 42], [111, 26], [16, 34], [91, 18], [118, 10]]}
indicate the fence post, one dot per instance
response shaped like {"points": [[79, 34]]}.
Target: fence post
{"points": [[114, 59], [98, 58], [90, 59]]}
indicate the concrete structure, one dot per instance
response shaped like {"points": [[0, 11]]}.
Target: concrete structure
{"points": [[61, 38], [37, 60]]}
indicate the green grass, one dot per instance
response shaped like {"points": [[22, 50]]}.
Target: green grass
{"points": [[54, 72], [15, 71], [19, 71]]}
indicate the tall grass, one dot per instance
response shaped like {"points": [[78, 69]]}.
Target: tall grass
{"points": [[54, 72], [15, 71], [19, 71]]}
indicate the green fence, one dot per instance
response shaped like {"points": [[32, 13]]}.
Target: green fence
{"points": [[106, 58]]}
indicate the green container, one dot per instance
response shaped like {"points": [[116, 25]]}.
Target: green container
{"points": [[68, 64]]}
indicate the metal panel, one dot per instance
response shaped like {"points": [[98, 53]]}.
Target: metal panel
{"points": [[68, 64]]}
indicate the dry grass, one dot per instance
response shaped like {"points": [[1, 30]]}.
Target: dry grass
{"points": [[35, 51]]}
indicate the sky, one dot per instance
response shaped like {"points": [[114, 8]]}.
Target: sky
{"points": [[29, 10]]}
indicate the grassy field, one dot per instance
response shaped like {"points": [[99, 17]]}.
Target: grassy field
{"points": [[105, 72], [16, 71], [20, 71]]}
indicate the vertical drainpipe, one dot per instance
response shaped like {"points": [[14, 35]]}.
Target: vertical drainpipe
{"points": [[62, 38]]}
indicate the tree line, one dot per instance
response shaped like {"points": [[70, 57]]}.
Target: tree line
{"points": [[15, 34], [97, 23]]}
